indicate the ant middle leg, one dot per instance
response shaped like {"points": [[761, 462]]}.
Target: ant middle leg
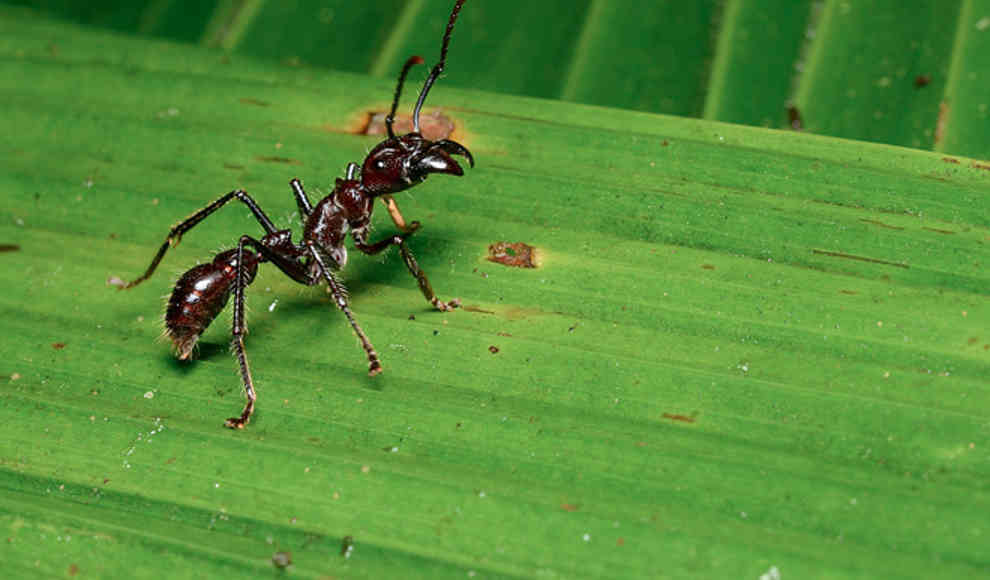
{"points": [[411, 264], [175, 234], [340, 298]]}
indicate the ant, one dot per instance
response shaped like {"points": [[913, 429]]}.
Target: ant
{"points": [[395, 164]]}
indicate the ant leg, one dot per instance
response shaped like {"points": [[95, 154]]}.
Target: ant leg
{"points": [[340, 297], [396, 215], [238, 332], [302, 200], [414, 269], [175, 234]]}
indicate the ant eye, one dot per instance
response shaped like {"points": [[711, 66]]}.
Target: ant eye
{"points": [[380, 164]]}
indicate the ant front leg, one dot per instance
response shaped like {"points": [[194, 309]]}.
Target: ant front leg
{"points": [[175, 234], [396, 215], [424, 283]]}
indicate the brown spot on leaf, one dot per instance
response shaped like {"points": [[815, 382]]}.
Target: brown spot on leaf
{"points": [[470, 308], [568, 507], [256, 102], [232, 166], [493, 349], [58, 345], [859, 258], [675, 417], [937, 231], [880, 224], [516, 255], [9, 248], [73, 569], [922, 81], [707, 266], [433, 125], [277, 159], [950, 160], [849, 292], [973, 340], [982, 166]]}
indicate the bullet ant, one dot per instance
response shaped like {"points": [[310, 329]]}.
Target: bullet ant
{"points": [[395, 164]]}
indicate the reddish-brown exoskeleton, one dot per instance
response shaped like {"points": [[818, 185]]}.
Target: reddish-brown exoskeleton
{"points": [[394, 165]]}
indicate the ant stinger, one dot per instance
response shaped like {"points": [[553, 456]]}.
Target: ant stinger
{"points": [[395, 164]]}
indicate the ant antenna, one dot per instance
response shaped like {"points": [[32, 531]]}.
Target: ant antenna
{"points": [[438, 68], [413, 61]]}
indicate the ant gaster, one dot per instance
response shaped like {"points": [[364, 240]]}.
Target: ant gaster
{"points": [[395, 164]]}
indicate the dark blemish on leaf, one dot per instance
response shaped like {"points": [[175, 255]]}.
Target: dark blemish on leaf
{"points": [[458, 426], [922, 81], [434, 125], [568, 507], [937, 231], [880, 224], [277, 159], [707, 267], [282, 559], [232, 166], [982, 166], [346, 546], [794, 118], [620, 541], [436, 332], [58, 345], [9, 248], [412, 317], [950, 160], [73, 569], [503, 334], [973, 340], [252, 101], [674, 417], [849, 292], [859, 258], [516, 255], [572, 328], [665, 143], [476, 309], [493, 349]]}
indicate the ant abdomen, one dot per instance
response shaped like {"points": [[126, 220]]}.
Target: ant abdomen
{"points": [[200, 295]]}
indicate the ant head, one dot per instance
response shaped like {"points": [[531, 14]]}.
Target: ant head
{"points": [[401, 162]]}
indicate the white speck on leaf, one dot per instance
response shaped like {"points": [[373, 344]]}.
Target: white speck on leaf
{"points": [[772, 574]]}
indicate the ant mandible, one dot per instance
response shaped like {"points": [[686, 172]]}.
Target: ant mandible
{"points": [[395, 164]]}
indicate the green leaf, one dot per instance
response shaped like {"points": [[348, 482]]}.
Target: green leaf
{"points": [[743, 350]]}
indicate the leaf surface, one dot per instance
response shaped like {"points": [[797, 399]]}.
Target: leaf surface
{"points": [[743, 349]]}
